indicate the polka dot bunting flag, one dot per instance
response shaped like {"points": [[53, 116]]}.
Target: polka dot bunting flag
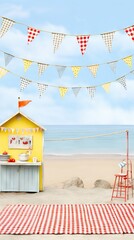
{"points": [[130, 32], [57, 40], [91, 91], [6, 25], [3, 72], [27, 64], [24, 83], [93, 69], [32, 33], [75, 70], [83, 40], [128, 60], [41, 68], [108, 39], [63, 91], [106, 87], [41, 88], [122, 81]]}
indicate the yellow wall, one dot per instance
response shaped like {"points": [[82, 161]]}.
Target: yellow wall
{"points": [[20, 122]]}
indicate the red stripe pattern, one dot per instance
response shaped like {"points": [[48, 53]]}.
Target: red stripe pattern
{"points": [[32, 33], [130, 32], [68, 219], [83, 40]]}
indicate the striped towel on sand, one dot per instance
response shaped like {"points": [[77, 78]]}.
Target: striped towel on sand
{"points": [[67, 219]]}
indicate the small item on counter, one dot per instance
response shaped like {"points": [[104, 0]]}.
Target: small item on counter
{"points": [[11, 160], [35, 159], [5, 153], [23, 157]]}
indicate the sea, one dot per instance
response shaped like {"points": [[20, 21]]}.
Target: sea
{"points": [[88, 139]]}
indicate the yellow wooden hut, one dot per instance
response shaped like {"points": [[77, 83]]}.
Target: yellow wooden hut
{"points": [[18, 135]]}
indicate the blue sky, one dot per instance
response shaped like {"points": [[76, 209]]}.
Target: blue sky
{"points": [[72, 18]]}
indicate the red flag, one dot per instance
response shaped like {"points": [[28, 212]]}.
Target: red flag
{"points": [[23, 103], [83, 40]]}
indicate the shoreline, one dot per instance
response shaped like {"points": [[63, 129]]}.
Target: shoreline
{"points": [[87, 154]]}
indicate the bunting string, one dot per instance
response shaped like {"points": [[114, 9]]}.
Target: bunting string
{"points": [[21, 130], [57, 37], [61, 68], [24, 82], [128, 29]]}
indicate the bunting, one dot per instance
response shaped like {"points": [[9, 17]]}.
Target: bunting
{"points": [[75, 70], [60, 70], [19, 130], [106, 87], [41, 88], [128, 60], [41, 68], [63, 91], [93, 69], [24, 83], [108, 39], [91, 91], [57, 40], [76, 90], [122, 81], [6, 25], [3, 72], [113, 66], [27, 64], [58, 37], [83, 40], [8, 58], [32, 33], [130, 32]]}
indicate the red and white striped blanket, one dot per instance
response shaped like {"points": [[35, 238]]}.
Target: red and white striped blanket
{"points": [[67, 219]]}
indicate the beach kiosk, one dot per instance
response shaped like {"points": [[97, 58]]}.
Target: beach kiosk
{"points": [[21, 154]]}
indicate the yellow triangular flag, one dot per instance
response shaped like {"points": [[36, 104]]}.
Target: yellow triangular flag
{"points": [[75, 70], [106, 87], [63, 91], [128, 60], [27, 64], [3, 72], [93, 69]]}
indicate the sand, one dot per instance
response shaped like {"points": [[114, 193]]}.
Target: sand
{"points": [[88, 167], [57, 169]]}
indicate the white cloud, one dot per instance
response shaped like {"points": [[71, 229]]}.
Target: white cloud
{"points": [[13, 11], [52, 109]]}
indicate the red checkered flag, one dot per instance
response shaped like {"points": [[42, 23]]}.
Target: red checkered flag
{"points": [[32, 33], [83, 40], [130, 31]]}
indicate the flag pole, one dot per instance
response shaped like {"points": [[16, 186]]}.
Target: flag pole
{"points": [[18, 104]]}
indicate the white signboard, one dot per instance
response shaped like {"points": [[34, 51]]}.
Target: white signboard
{"points": [[22, 142]]}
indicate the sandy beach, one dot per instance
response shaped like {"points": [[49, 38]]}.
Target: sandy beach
{"points": [[89, 168], [58, 169]]}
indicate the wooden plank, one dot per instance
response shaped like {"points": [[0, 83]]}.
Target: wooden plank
{"points": [[29, 179], [9, 178]]}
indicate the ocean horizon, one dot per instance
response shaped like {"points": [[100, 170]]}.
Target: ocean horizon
{"points": [[58, 139]]}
